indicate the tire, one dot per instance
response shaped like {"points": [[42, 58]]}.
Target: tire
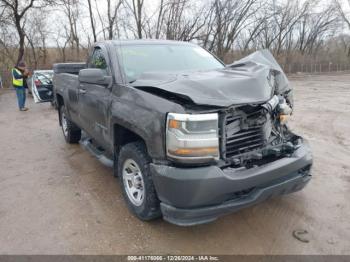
{"points": [[71, 132], [133, 157]]}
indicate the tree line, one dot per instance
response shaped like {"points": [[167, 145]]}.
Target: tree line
{"points": [[296, 32]]}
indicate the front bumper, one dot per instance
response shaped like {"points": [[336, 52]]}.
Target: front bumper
{"points": [[191, 196]]}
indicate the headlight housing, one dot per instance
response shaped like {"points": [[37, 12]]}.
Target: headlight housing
{"points": [[284, 111], [192, 138]]}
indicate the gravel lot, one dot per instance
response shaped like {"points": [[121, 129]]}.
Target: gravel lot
{"points": [[58, 199]]}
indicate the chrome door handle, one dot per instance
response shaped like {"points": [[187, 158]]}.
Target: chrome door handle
{"points": [[82, 91]]}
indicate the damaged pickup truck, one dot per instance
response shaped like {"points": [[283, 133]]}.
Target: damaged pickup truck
{"points": [[190, 138]]}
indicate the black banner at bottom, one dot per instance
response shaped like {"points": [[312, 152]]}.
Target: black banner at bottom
{"points": [[166, 258]]}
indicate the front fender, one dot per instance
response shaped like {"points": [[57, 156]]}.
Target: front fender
{"points": [[145, 115]]}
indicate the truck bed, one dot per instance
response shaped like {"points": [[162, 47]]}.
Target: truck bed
{"points": [[70, 68], [66, 77]]}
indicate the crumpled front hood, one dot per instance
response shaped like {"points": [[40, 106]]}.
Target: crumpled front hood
{"points": [[252, 79]]}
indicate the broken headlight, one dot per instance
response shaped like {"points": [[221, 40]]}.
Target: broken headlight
{"points": [[192, 138], [284, 111]]}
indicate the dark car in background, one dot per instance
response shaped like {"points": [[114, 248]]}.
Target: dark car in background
{"points": [[40, 85]]}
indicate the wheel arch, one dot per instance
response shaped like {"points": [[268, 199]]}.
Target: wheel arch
{"points": [[123, 135]]}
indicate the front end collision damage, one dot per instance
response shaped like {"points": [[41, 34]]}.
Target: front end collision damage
{"points": [[251, 80], [197, 195], [251, 96], [259, 156]]}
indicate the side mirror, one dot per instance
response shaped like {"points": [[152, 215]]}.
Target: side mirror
{"points": [[94, 76]]}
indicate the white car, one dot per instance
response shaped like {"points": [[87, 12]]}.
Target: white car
{"points": [[40, 85]]}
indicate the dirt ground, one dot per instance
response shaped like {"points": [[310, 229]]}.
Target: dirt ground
{"points": [[56, 198]]}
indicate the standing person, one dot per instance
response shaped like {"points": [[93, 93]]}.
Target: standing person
{"points": [[19, 76]]}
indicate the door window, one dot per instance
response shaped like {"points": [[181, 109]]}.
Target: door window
{"points": [[43, 79], [98, 60]]}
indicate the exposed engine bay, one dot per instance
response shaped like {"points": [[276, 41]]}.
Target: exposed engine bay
{"points": [[255, 134], [253, 99]]}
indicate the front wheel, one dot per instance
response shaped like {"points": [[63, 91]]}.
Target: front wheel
{"points": [[136, 181], [71, 132]]}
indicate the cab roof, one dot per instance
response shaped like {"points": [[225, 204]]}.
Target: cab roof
{"points": [[145, 42]]}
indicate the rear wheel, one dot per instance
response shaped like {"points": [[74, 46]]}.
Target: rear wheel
{"points": [[71, 132], [136, 181]]}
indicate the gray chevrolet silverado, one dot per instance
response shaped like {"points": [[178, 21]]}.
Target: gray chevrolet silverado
{"points": [[190, 138]]}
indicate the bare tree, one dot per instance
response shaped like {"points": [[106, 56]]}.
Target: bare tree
{"points": [[112, 12], [297, 31], [6, 37], [159, 18], [92, 22], [345, 16], [108, 21], [17, 11], [36, 35], [314, 26], [62, 40], [229, 18], [71, 9], [136, 7]]}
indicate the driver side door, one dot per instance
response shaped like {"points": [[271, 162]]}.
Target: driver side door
{"points": [[94, 100]]}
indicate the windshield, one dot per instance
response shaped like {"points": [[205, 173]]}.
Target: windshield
{"points": [[138, 59]]}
